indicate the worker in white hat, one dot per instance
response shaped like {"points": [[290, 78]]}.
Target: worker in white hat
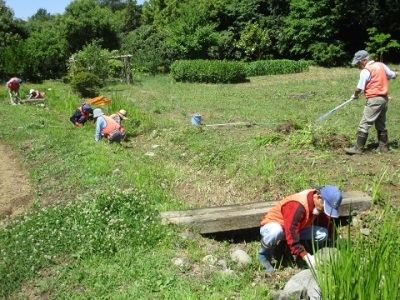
{"points": [[107, 127], [35, 94]]}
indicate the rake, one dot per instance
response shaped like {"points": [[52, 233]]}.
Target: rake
{"points": [[323, 118]]}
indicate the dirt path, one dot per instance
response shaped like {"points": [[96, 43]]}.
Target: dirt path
{"points": [[15, 191]]}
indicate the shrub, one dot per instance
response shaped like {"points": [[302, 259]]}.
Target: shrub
{"points": [[275, 67], [86, 84], [208, 71]]}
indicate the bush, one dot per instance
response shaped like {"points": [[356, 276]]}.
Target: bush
{"points": [[86, 84], [208, 71], [275, 67]]}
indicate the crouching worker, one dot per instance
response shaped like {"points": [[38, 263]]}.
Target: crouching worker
{"points": [[81, 115], [119, 116], [107, 127], [302, 216], [35, 94]]}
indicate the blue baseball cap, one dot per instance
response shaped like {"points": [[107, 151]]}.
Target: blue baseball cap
{"points": [[332, 198]]}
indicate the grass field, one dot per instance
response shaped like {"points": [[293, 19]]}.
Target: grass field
{"points": [[94, 232]]}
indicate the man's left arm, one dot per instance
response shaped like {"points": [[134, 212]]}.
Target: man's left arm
{"points": [[389, 73]]}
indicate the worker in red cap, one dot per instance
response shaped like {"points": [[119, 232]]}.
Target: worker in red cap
{"points": [[299, 217], [13, 89]]}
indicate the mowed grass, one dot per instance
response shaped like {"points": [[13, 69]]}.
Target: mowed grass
{"points": [[101, 237]]}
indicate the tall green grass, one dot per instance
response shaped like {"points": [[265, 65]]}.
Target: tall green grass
{"points": [[366, 267]]}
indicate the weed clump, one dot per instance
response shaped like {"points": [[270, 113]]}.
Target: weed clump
{"points": [[332, 141]]}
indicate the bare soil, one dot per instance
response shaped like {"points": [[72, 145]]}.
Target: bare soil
{"points": [[15, 191]]}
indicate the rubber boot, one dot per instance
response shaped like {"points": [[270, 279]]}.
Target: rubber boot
{"points": [[383, 142], [359, 146], [12, 100], [265, 256]]}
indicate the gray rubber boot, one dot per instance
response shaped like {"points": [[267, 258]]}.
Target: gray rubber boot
{"points": [[359, 146], [13, 99], [383, 142], [265, 256]]}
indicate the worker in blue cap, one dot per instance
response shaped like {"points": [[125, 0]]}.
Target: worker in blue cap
{"points": [[82, 114], [299, 217]]}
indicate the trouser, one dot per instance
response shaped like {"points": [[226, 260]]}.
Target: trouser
{"points": [[272, 233], [374, 113], [14, 96]]}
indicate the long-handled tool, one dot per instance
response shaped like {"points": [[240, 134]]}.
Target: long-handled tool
{"points": [[323, 118]]}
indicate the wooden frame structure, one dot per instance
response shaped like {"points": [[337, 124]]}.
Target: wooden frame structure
{"points": [[126, 71]]}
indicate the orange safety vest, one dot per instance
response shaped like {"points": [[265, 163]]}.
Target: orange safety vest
{"points": [[275, 214], [378, 84], [86, 115], [13, 83], [111, 126]]}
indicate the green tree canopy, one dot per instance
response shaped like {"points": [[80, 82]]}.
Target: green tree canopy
{"points": [[85, 21]]}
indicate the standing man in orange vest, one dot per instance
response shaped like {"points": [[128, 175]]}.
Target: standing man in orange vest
{"points": [[374, 82], [107, 127], [13, 89], [302, 216]]}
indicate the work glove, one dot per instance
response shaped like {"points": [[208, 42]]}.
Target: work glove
{"points": [[354, 96], [310, 261]]}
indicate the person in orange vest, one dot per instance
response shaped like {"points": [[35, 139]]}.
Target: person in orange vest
{"points": [[299, 217], [119, 116], [35, 94], [373, 81], [107, 127], [13, 89], [81, 115]]}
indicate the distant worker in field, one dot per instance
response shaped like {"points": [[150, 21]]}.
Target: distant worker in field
{"points": [[13, 89], [299, 217], [374, 82], [81, 115], [107, 127], [119, 116], [35, 94]]}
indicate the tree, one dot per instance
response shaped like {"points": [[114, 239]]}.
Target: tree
{"points": [[85, 21], [150, 51], [93, 59], [132, 16], [47, 51], [41, 15], [11, 35], [253, 41], [379, 43], [309, 25], [114, 5]]}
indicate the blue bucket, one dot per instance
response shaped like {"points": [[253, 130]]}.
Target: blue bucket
{"points": [[196, 119]]}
